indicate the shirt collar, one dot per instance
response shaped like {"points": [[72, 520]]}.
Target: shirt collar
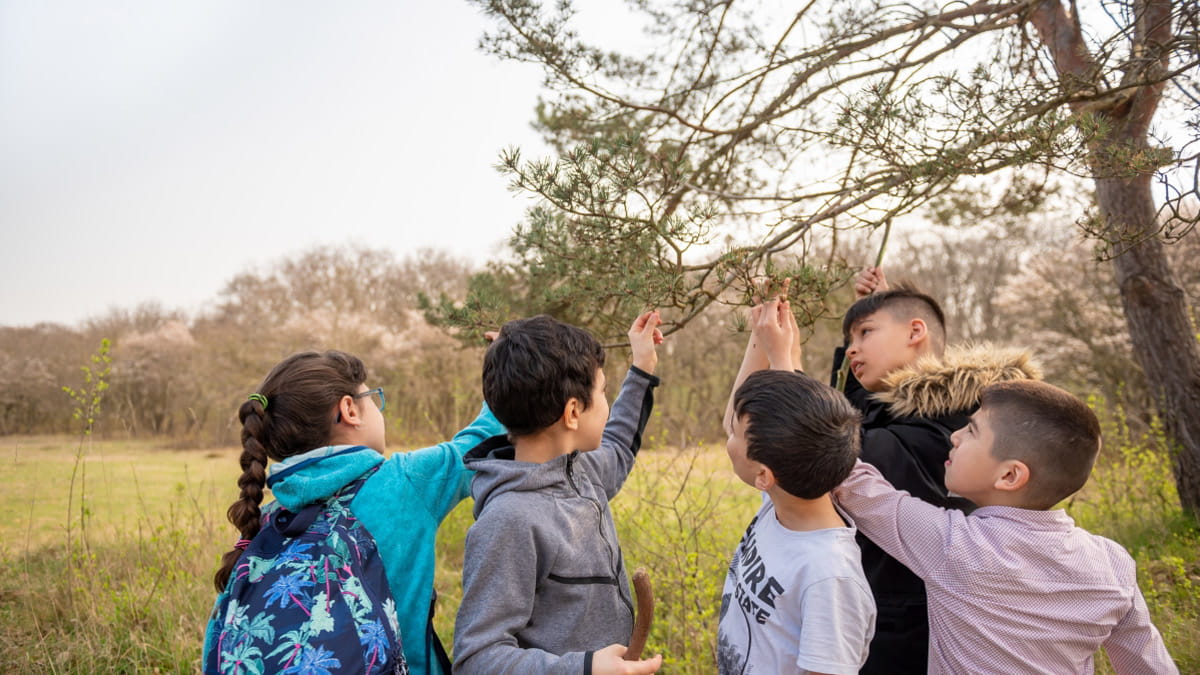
{"points": [[1052, 519]]}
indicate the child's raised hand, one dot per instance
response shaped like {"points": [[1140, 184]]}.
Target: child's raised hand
{"points": [[775, 332], [797, 349], [763, 289], [756, 313], [608, 661], [868, 281], [643, 335]]}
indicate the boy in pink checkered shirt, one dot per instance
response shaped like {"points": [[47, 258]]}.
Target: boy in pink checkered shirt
{"points": [[1014, 587]]}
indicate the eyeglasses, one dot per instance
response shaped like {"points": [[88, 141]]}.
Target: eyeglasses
{"points": [[377, 398], [376, 395]]}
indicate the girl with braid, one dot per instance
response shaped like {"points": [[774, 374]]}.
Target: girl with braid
{"points": [[315, 417]]}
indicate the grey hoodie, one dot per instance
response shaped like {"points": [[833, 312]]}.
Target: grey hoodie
{"points": [[544, 583]]}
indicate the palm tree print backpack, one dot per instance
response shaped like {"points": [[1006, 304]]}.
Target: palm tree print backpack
{"points": [[309, 596]]}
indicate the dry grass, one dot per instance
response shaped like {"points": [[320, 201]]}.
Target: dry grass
{"points": [[138, 598]]}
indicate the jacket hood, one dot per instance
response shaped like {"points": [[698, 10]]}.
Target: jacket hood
{"points": [[933, 387], [318, 474], [498, 472]]}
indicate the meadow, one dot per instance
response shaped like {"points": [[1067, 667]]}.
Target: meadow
{"points": [[120, 581]]}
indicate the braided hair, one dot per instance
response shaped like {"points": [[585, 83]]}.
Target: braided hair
{"points": [[301, 393]]}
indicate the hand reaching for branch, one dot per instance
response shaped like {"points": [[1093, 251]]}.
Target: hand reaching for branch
{"points": [[775, 332], [756, 311], [643, 336], [608, 661], [868, 281]]}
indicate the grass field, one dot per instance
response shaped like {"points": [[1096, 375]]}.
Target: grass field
{"points": [[128, 588]]}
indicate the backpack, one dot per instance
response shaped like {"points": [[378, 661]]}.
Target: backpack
{"points": [[309, 595]]}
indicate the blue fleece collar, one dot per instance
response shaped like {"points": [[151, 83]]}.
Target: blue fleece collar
{"points": [[317, 474]]}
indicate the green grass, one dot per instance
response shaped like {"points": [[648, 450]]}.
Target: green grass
{"points": [[137, 598], [125, 481], [130, 591]]}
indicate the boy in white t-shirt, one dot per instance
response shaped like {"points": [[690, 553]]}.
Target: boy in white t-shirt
{"points": [[795, 598]]}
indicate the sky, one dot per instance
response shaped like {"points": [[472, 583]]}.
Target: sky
{"points": [[150, 151]]}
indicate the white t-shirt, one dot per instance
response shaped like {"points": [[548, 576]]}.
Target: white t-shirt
{"points": [[794, 602]]}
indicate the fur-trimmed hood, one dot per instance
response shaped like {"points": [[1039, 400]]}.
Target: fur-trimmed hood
{"points": [[933, 387]]}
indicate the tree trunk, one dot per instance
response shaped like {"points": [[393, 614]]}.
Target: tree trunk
{"points": [[1164, 341]]}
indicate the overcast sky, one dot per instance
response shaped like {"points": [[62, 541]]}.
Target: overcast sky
{"points": [[149, 151]]}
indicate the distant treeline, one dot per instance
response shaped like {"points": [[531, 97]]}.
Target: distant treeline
{"points": [[182, 377]]}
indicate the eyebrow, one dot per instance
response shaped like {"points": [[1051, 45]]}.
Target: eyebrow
{"points": [[858, 323]]}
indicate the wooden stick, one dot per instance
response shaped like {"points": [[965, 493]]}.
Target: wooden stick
{"points": [[843, 372], [887, 230], [645, 614]]}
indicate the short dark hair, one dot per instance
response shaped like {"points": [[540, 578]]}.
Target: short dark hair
{"points": [[534, 367], [1054, 433], [903, 302], [803, 430]]}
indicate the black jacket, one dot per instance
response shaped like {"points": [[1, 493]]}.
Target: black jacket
{"points": [[906, 435]]}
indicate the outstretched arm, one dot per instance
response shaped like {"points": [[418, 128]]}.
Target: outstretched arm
{"points": [[437, 473], [1136, 646], [908, 529], [774, 343], [753, 360], [622, 438]]}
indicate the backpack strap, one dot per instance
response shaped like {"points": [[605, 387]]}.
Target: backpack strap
{"points": [[293, 525], [439, 650]]}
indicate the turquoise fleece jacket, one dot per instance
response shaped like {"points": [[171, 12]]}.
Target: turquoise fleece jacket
{"points": [[401, 506]]}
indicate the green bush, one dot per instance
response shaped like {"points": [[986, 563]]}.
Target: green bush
{"points": [[679, 517], [1131, 499]]}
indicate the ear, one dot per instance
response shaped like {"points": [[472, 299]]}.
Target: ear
{"points": [[1014, 476], [348, 411], [764, 478], [917, 332], [571, 412]]}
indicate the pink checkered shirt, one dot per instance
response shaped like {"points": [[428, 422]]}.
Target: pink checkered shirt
{"points": [[1011, 590]]}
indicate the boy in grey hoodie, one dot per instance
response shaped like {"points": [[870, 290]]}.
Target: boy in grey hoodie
{"points": [[544, 584]]}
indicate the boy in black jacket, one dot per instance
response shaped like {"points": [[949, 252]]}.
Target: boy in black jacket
{"points": [[913, 394]]}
